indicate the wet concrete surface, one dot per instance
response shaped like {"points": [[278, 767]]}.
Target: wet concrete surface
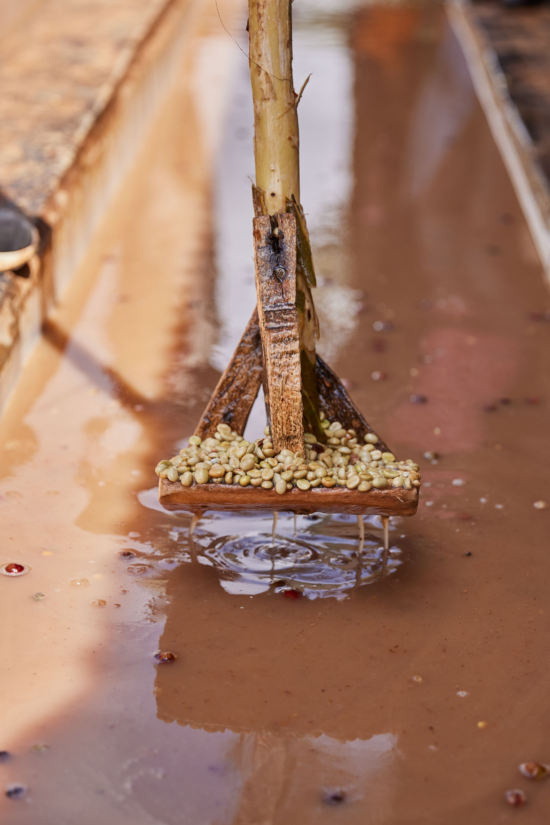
{"points": [[410, 700]]}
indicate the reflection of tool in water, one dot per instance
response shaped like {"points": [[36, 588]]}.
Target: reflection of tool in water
{"points": [[278, 345], [275, 520]]}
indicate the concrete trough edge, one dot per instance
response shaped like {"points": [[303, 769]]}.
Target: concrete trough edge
{"points": [[73, 212], [507, 127]]}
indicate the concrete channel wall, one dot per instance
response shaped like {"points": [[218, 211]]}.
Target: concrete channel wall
{"points": [[80, 84], [509, 131], [81, 81]]}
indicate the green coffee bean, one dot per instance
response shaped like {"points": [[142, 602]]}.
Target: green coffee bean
{"points": [[201, 475]]}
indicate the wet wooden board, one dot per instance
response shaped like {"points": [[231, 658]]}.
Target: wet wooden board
{"points": [[236, 391], [201, 497], [275, 263]]}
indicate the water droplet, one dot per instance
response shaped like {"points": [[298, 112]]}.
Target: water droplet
{"points": [[40, 748], [418, 399], [16, 791], [39, 596], [417, 679], [99, 603], [164, 657], [462, 693], [482, 725], [534, 770], [515, 798], [14, 569], [80, 583], [540, 505], [378, 375], [489, 407], [137, 569], [127, 554], [431, 455], [335, 796], [458, 482]]}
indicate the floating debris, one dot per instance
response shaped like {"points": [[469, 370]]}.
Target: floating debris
{"points": [[14, 569], [334, 797], [482, 725], [534, 770], [16, 791], [80, 583], [468, 553], [417, 679], [40, 748], [418, 399], [127, 554], [377, 375], [540, 505], [99, 603], [458, 482], [462, 693], [515, 798], [164, 657], [39, 596], [137, 569], [292, 594], [343, 461], [431, 455], [382, 326]]}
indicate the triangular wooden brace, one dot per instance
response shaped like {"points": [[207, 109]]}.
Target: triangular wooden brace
{"points": [[236, 391]]}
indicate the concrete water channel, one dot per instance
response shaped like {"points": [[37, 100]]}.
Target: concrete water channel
{"points": [[408, 700]]}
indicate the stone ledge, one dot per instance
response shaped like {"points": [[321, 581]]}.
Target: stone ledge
{"points": [[80, 85]]}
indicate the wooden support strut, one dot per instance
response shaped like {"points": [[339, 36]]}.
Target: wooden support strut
{"points": [[275, 260]]}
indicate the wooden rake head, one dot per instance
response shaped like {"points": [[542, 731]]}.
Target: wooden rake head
{"points": [[269, 353]]}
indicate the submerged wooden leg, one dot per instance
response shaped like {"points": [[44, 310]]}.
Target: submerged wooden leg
{"points": [[194, 521], [361, 525], [386, 526], [295, 524], [274, 528]]}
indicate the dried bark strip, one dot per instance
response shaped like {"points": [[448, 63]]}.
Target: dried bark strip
{"points": [[275, 260], [238, 387]]}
